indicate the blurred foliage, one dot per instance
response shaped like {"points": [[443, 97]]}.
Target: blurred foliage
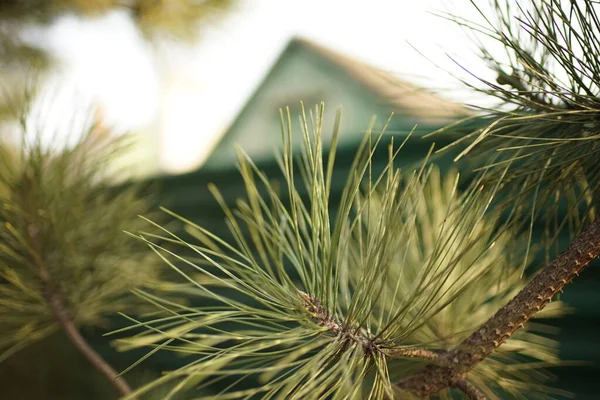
{"points": [[171, 17], [485, 275], [20, 58], [178, 18], [61, 233], [52, 369]]}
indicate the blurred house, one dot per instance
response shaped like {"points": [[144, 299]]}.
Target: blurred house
{"points": [[309, 73]]}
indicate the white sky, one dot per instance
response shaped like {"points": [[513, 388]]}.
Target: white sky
{"points": [[188, 94]]}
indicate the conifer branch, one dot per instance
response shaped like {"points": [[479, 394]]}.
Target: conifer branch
{"points": [[467, 388], [370, 344], [68, 327], [531, 299], [65, 321], [418, 353], [342, 304]]}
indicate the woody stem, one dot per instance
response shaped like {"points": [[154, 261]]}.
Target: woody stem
{"points": [[530, 300]]}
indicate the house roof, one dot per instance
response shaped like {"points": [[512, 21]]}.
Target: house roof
{"points": [[398, 93]]}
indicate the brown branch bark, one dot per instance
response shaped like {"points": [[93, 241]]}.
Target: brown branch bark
{"points": [[321, 316], [65, 321], [410, 352], [531, 299], [467, 388]]}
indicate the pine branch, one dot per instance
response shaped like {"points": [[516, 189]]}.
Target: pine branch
{"points": [[418, 353], [370, 345], [534, 296], [65, 321], [467, 388], [64, 264], [342, 303]]}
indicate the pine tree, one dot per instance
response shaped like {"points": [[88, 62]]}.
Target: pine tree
{"points": [[414, 287], [65, 267], [63, 263]]}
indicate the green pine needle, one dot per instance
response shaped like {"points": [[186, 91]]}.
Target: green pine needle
{"points": [[542, 140], [316, 300], [61, 231]]}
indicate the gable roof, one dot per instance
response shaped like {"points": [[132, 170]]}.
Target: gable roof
{"points": [[398, 93]]}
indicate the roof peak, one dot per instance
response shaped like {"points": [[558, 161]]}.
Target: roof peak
{"points": [[398, 93]]}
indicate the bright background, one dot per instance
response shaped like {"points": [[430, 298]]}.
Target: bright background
{"points": [[181, 97]]}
